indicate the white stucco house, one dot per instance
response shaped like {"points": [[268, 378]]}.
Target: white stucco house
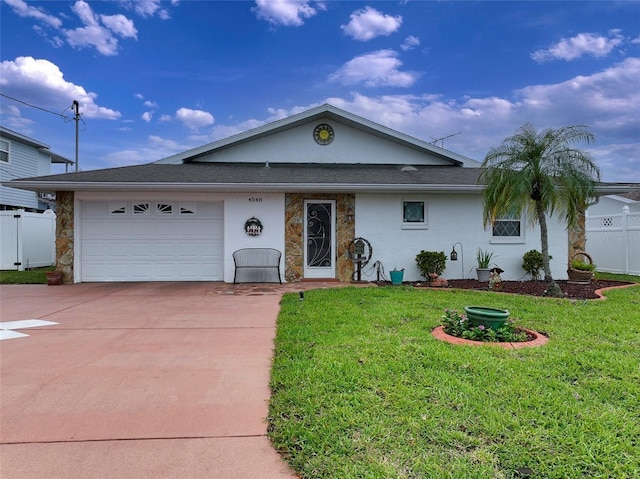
{"points": [[312, 182]]}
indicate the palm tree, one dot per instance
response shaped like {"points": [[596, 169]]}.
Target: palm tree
{"points": [[540, 172]]}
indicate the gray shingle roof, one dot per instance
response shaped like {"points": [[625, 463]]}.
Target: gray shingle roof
{"points": [[259, 174]]}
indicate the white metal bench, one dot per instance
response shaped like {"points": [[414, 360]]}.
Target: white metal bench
{"points": [[257, 265]]}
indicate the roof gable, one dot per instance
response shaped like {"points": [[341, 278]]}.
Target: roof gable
{"points": [[357, 140]]}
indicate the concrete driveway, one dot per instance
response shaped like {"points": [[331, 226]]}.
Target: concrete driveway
{"points": [[138, 380]]}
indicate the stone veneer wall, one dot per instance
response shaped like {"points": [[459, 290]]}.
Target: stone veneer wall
{"points": [[294, 234], [64, 234]]}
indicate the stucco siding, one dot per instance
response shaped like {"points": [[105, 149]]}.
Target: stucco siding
{"points": [[451, 219], [238, 208]]}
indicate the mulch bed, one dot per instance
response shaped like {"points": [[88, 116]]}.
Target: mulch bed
{"points": [[535, 288]]}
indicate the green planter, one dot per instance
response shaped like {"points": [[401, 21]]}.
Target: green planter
{"points": [[489, 317], [396, 276]]}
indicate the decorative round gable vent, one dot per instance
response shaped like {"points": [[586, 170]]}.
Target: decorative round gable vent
{"points": [[253, 226], [323, 134]]}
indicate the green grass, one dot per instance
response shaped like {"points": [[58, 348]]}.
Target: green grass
{"points": [[32, 276], [360, 388]]}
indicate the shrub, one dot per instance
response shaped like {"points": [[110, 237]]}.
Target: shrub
{"points": [[532, 263], [431, 262]]}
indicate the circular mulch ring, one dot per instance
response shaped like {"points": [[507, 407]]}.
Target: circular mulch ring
{"points": [[539, 339]]}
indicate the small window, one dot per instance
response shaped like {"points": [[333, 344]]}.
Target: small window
{"points": [[118, 208], [414, 214], [508, 228], [188, 208], [164, 208], [141, 208], [4, 151]]}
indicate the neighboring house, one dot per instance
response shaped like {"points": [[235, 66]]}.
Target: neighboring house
{"points": [[24, 157], [613, 204], [309, 185]]}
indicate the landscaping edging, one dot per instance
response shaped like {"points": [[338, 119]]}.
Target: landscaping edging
{"points": [[539, 340]]}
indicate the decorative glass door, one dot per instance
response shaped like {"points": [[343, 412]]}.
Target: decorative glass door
{"points": [[319, 239]]}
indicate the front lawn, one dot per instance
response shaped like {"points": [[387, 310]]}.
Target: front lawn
{"points": [[31, 276], [360, 389]]}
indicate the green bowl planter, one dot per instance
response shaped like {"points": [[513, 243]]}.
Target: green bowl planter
{"points": [[489, 317]]}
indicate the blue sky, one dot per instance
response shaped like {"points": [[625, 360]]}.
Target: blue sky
{"points": [[156, 78]]}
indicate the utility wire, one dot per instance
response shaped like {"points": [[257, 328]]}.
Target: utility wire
{"points": [[37, 107]]}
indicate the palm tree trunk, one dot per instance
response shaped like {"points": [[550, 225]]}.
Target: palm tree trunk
{"points": [[552, 288]]}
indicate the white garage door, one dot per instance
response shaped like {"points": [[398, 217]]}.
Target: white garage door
{"points": [[151, 241]]}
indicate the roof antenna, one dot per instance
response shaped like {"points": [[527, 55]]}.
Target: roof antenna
{"points": [[75, 107], [441, 140]]}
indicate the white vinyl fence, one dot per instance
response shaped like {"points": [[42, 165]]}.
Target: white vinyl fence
{"points": [[27, 240], [613, 241]]}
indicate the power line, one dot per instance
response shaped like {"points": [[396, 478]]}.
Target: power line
{"points": [[37, 107]]}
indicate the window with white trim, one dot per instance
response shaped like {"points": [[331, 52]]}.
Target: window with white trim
{"points": [[508, 228], [4, 151], [414, 214]]}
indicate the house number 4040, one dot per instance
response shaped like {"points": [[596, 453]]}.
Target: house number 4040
{"points": [[255, 199]]}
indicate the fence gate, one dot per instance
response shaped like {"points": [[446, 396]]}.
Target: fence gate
{"points": [[27, 240], [614, 241]]}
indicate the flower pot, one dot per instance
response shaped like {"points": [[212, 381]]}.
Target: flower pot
{"points": [[54, 277], [489, 317], [483, 274], [396, 277]]}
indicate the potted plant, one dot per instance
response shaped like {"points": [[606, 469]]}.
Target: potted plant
{"points": [[581, 271], [431, 264], [483, 259]]}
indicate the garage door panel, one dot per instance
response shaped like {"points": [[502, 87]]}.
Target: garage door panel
{"points": [[151, 245]]}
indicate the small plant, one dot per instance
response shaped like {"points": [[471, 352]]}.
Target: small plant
{"points": [[458, 325], [532, 263], [483, 258], [431, 262], [582, 265]]}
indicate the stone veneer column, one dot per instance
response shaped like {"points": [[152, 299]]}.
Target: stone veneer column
{"points": [[64, 234], [294, 234]]}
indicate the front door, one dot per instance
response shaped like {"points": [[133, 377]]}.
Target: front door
{"points": [[319, 239]]}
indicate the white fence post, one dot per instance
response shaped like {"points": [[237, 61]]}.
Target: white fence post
{"points": [[625, 235]]}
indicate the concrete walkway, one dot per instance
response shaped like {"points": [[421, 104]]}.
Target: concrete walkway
{"points": [[139, 380]]}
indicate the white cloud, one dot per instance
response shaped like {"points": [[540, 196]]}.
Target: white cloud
{"points": [[97, 31], [582, 44], [150, 8], [194, 119], [165, 118], [380, 68], [120, 25], [150, 104], [369, 23], [284, 12], [21, 8], [41, 82], [147, 115], [410, 43]]}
